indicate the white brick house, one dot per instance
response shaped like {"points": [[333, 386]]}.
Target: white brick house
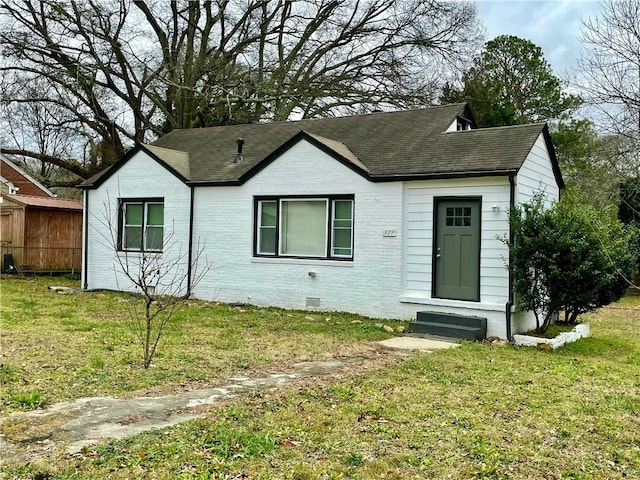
{"points": [[385, 214]]}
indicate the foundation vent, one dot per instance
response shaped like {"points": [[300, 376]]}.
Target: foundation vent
{"points": [[313, 301]]}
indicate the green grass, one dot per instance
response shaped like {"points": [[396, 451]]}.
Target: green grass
{"points": [[24, 399], [8, 374], [82, 345], [476, 412]]}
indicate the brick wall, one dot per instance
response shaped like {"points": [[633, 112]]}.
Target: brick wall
{"points": [[140, 177]]}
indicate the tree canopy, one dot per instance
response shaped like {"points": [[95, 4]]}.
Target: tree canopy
{"points": [[511, 83], [106, 74]]}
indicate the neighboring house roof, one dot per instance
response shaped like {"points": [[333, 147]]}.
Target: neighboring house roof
{"points": [[383, 146], [26, 184], [44, 202]]}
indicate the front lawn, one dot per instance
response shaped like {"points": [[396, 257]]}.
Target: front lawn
{"points": [[479, 411], [59, 347]]}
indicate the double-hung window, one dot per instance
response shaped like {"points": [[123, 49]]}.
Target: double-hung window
{"points": [[141, 224], [314, 227]]}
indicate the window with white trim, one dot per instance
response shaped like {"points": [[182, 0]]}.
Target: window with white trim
{"points": [[141, 225], [310, 227]]}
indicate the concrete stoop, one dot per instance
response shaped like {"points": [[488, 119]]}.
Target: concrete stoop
{"points": [[450, 325]]}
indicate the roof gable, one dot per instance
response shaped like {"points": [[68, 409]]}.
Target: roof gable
{"points": [[384, 142], [175, 161], [385, 146], [555, 166], [334, 149], [18, 178]]}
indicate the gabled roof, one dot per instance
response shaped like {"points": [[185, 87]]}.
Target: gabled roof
{"points": [[384, 146], [176, 159], [25, 183], [44, 202], [340, 149]]}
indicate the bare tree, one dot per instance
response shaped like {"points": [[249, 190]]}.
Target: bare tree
{"points": [[44, 128], [160, 282], [611, 66], [126, 71]]}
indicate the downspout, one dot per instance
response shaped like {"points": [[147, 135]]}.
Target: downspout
{"points": [[509, 305], [190, 253], [85, 263]]}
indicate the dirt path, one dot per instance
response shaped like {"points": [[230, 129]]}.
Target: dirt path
{"points": [[72, 426]]}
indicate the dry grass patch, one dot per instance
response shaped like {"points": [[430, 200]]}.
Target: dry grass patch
{"points": [[63, 347], [476, 412]]}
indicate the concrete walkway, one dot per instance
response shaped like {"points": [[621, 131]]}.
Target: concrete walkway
{"points": [[88, 421], [419, 343]]}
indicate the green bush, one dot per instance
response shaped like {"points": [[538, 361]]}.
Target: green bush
{"points": [[568, 258]]}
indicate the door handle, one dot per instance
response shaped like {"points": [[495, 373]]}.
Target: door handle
{"points": [[438, 253]]}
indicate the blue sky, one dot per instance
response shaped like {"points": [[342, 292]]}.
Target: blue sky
{"points": [[553, 25]]}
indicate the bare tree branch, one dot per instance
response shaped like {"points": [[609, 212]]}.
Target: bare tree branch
{"points": [[131, 71], [611, 66]]}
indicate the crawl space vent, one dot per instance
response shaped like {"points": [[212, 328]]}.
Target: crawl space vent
{"points": [[313, 301]]}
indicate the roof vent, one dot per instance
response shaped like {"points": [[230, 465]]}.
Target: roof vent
{"points": [[239, 158]]}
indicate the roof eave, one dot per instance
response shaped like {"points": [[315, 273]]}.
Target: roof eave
{"points": [[403, 177], [555, 165], [400, 177], [60, 206], [215, 183]]}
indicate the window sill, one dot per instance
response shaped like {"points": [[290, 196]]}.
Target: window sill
{"points": [[139, 252], [303, 261], [443, 302]]}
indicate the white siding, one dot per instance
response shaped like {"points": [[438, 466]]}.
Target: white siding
{"points": [[536, 174], [140, 177], [370, 284], [494, 277]]}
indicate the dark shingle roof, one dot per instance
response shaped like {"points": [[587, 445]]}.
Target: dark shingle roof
{"points": [[381, 146]]}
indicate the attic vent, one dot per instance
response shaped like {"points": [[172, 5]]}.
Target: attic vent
{"points": [[463, 124], [239, 158]]}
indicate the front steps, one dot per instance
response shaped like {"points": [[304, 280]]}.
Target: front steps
{"points": [[450, 325]]}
